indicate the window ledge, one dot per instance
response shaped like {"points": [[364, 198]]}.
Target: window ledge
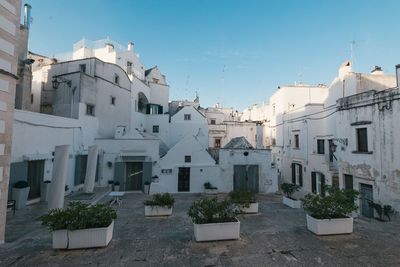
{"points": [[296, 148], [361, 152]]}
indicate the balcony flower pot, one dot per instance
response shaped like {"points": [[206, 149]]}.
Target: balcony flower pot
{"points": [[217, 231], [330, 226], [288, 199], [80, 225], [151, 211], [20, 193], [214, 220], [290, 202], [329, 212], [245, 200], [83, 238], [159, 205]]}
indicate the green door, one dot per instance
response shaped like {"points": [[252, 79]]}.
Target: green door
{"points": [[245, 178], [35, 178]]}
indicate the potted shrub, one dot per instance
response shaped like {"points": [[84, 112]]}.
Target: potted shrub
{"points": [[330, 213], [116, 186], [80, 225], [245, 200], [214, 220], [288, 199], [20, 192], [146, 187], [159, 205], [210, 189]]}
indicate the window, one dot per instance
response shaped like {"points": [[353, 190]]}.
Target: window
{"points": [[31, 98], [155, 80], [128, 67], [89, 109], [212, 121], [187, 117], [317, 183], [320, 146], [297, 174], [217, 142], [166, 171], [156, 128], [188, 159], [348, 181], [296, 141], [116, 79], [113, 100], [362, 140], [82, 68]]}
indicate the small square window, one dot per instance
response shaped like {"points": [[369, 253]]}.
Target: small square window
{"points": [[116, 79], [212, 122], [82, 68], [156, 128], [320, 146], [112, 100], [296, 141], [89, 109], [217, 142], [362, 140], [187, 117], [188, 159]]}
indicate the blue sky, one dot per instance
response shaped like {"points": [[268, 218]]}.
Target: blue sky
{"points": [[234, 52]]}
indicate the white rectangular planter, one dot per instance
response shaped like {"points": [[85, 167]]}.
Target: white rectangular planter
{"points": [[295, 204], [157, 211], [217, 231], [253, 208], [211, 191], [330, 226], [84, 238]]}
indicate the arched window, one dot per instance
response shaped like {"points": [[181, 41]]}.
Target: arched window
{"points": [[142, 102]]}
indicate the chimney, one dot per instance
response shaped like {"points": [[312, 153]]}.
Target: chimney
{"points": [[345, 68], [130, 46], [110, 47], [377, 71], [27, 16], [398, 75]]}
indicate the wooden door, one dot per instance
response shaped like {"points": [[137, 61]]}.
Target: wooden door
{"points": [[184, 179]]}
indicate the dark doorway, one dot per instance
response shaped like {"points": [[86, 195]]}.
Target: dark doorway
{"points": [[184, 179], [134, 176], [245, 178], [35, 178], [366, 194], [80, 169]]}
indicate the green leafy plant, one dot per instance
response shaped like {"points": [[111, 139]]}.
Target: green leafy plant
{"points": [[244, 198], [79, 215], [336, 203], [208, 185], [289, 189], [21, 184], [382, 210], [210, 210], [161, 200]]}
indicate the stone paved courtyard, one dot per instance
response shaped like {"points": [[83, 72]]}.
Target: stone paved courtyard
{"points": [[277, 236]]}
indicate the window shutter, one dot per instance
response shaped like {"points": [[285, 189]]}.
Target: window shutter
{"points": [[293, 173], [301, 176], [322, 184], [313, 182]]}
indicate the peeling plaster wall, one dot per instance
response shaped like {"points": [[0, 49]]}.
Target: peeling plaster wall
{"points": [[380, 168]]}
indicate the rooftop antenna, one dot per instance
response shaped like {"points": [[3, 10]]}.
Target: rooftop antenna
{"points": [[222, 85], [352, 54], [187, 87]]}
